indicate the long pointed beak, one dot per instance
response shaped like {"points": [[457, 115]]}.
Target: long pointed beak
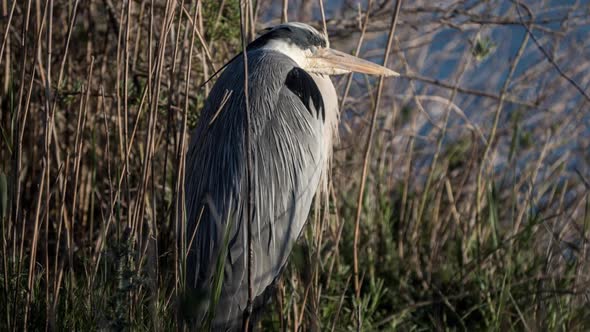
{"points": [[333, 62]]}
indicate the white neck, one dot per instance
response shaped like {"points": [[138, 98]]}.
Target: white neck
{"points": [[300, 56]]}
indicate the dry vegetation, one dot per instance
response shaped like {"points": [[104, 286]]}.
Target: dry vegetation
{"points": [[475, 209]]}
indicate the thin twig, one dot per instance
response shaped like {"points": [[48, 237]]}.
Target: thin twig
{"points": [[446, 85], [544, 51]]}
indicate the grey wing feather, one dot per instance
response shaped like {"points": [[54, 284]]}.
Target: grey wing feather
{"points": [[288, 158]]}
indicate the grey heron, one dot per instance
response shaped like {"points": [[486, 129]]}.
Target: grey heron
{"points": [[293, 122]]}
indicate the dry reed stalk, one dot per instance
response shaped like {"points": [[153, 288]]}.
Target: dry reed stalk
{"points": [[367, 153], [142, 202], [126, 144], [204, 63], [357, 52], [6, 42], [339, 224], [21, 120], [122, 141], [340, 304], [180, 207], [492, 136], [284, 12], [202, 41], [99, 245], [49, 117], [249, 183], [174, 82], [318, 229], [42, 187], [108, 153], [219, 14]]}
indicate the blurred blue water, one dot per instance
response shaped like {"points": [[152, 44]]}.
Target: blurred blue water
{"points": [[533, 81]]}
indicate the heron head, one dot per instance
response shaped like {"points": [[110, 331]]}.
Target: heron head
{"points": [[310, 50]]}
